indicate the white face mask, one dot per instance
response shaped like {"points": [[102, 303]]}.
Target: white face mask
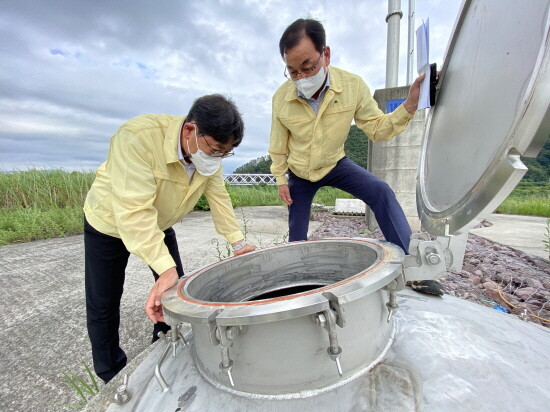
{"points": [[206, 165], [309, 85]]}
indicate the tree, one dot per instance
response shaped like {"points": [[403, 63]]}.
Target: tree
{"points": [[539, 168], [356, 146], [256, 166]]}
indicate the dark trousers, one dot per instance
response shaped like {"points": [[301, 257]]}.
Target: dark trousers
{"points": [[351, 178], [106, 258]]}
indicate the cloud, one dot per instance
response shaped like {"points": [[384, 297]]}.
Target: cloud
{"points": [[72, 72]]}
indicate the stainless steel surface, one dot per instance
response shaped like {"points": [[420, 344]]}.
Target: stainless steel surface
{"points": [[289, 357], [493, 106], [274, 347], [448, 355]]}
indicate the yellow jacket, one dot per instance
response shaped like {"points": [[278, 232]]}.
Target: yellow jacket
{"points": [[143, 189], [310, 145]]}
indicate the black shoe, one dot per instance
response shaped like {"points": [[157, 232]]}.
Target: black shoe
{"points": [[429, 287], [159, 327]]}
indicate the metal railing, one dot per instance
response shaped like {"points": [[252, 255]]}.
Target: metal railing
{"points": [[249, 179]]}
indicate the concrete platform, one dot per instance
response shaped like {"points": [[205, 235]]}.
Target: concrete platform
{"points": [[43, 307], [524, 233]]}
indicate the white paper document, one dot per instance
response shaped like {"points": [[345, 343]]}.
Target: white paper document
{"points": [[423, 62]]}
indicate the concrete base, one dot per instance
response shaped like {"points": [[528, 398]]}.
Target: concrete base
{"points": [[396, 161], [349, 207]]}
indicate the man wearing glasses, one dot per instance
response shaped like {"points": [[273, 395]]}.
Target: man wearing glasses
{"points": [[312, 115], [157, 168]]}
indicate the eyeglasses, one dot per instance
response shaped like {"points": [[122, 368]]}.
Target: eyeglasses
{"points": [[215, 153], [304, 72]]}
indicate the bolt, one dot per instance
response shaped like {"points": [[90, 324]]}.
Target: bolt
{"points": [[433, 258], [231, 332], [122, 395], [321, 320]]}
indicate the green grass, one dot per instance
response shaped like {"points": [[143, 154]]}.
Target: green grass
{"points": [[528, 198], [43, 189], [27, 224], [267, 196], [533, 206], [43, 204], [84, 388]]}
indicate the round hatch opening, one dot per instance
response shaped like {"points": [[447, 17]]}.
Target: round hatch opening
{"points": [[293, 269]]}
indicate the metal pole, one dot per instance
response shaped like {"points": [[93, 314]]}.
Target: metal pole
{"points": [[410, 61], [392, 55]]}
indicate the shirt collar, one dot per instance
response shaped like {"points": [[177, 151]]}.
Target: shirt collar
{"points": [[180, 152]]}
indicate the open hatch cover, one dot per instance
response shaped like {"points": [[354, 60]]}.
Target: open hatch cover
{"points": [[492, 108]]}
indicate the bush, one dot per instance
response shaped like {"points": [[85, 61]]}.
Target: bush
{"points": [[202, 204]]}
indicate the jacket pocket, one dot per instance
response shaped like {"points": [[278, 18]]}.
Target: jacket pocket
{"points": [[339, 109], [163, 175]]}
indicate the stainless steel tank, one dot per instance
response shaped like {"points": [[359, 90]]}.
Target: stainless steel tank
{"points": [[295, 319]]}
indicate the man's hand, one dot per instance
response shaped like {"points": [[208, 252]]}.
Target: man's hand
{"points": [[284, 191], [153, 308], [411, 104], [248, 247]]}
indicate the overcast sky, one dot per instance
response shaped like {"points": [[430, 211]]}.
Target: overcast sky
{"points": [[72, 71]]}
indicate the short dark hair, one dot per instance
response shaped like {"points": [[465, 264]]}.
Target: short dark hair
{"points": [[218, 117], [298, 30]]}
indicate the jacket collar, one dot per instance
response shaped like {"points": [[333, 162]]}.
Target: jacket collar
{"points": [[173, 135]]}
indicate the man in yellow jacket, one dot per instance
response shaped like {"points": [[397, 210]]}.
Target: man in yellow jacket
{"points": [[157, 168], [312, 115]]}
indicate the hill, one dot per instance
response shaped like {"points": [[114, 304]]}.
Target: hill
{"points": [[539, 168], [356, 147]]}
